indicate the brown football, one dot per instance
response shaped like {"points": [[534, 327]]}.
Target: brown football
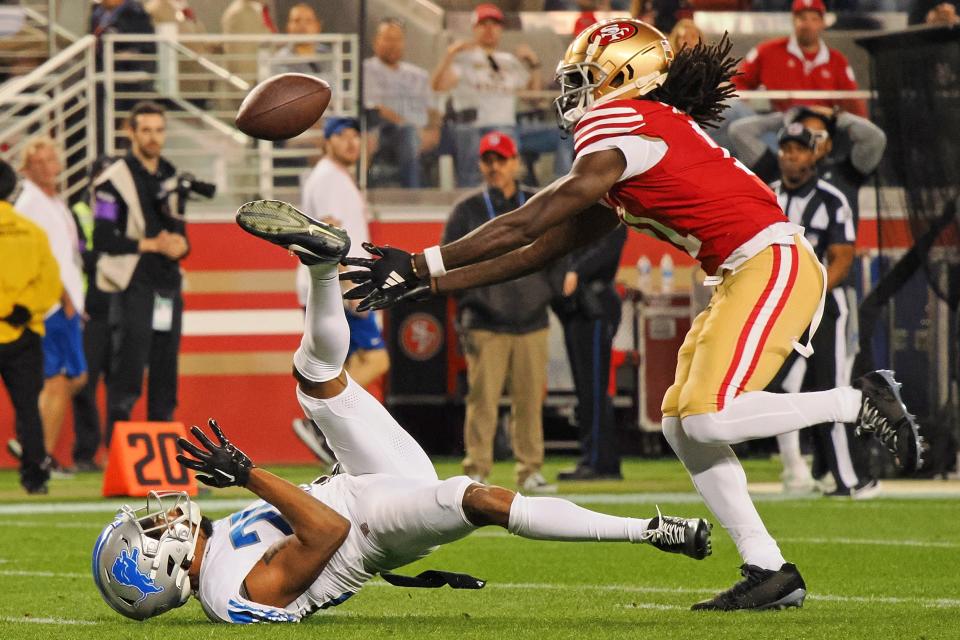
{"points": [[283, 106]]}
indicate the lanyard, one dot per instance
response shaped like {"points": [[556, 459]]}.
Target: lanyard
{"points": [[491, 213]]}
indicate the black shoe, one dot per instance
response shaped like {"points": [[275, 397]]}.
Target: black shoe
{"points": [[760, 589], [57, 470], [86, 466], [883, 414], [865, 490], [587, 473], [689, 536], [38, 489], [282, 224]]}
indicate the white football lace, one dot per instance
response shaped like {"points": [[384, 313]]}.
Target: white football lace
{"points": [[669, 531]]}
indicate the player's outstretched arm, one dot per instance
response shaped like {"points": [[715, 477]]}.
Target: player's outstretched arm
{"points": [[290, 566], [591, 177]]}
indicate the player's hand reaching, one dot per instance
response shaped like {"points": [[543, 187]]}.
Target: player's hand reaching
{"points": [[222, 466], [388, 278]]}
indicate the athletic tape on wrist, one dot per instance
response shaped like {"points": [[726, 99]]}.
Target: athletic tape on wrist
{"points": [[434, 261]]}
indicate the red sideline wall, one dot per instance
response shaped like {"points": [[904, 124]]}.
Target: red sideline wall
{"points": [[243, 379]]}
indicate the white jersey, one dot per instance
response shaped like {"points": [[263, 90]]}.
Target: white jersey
{"points": [[240, 540], [394, 521]]}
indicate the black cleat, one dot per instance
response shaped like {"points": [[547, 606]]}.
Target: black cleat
{"points": [[689, 536], [883, 414], [282, 224], [760, 589]]}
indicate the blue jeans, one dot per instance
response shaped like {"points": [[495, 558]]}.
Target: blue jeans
{"points": [[398, 149]]}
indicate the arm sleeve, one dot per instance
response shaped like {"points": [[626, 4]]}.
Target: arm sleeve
{"points": [[869, 141], [109, 217], [372, 95], [747, 136], [641, 153], [749, 76], [601, 255]]}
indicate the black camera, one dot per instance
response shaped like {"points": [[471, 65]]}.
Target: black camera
{"points": [[187, 183]]}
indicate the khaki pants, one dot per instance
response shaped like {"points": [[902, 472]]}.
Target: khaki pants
{"points": [[491, 359]]}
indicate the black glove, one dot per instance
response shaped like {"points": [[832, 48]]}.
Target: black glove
{"points": [[223, 466], [392, 268], [383, 299], [18, 317]]}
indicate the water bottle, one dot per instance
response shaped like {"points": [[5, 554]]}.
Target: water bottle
{"points": [[644, 269], [666, 274]]}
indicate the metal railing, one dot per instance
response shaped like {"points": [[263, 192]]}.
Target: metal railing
{"points": [[58, 99], [203, 78]]}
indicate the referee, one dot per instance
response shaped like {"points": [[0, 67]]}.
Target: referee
{"points": [[824, 212]]}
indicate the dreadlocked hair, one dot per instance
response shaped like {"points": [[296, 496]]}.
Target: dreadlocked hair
{"points": [[698, 81]]}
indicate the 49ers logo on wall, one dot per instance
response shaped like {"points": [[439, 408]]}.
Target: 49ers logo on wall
{"points": [[614, 33], [421, 336]]}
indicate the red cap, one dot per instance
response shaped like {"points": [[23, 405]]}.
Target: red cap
{"points": [[500, 143], [808, 5], [487, 11]]}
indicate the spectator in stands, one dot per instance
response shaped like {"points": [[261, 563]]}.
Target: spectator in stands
{"points": [[399, 96], [801, 61], [590, 310], [331, 194], [245, 17], [29, 286], [302, 57], [142, 239], [848, 150], [504, 331], [934, 12], [483, 82], [64, 364]]}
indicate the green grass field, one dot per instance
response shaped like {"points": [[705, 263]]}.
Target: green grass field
{"points": [[887, 568]]}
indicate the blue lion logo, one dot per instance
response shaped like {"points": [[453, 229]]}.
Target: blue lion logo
{"points": [[125, 572]]}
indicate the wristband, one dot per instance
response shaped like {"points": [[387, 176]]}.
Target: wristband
{"points": [[434, 261]]}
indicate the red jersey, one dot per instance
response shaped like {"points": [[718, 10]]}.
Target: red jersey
{"points": [[679, 186], [780, 64]]}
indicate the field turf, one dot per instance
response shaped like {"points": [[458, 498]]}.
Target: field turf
{"points": [[887, 568]]}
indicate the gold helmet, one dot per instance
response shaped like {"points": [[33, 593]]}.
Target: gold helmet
{"points": [[620, 58]]}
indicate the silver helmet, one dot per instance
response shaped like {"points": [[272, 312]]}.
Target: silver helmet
{"points": [[141, 559]]}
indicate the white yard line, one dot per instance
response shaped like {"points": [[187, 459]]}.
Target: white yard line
{"points": [[26, 620]]}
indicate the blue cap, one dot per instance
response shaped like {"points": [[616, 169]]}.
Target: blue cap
{"points": [[336, 124]]}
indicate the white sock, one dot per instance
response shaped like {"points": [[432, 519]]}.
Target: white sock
{"points": [[760, 414], [720, 480], [326, 335], [790, 456], [557, 519]]}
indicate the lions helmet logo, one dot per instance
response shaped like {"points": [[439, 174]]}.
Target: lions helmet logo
{"points": [[614, 33], [125, 572]]}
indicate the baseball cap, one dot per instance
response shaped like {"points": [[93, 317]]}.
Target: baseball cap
{"points": [[808, 5], [796, 132], [487, 11], [500, 143], [336, 124]]}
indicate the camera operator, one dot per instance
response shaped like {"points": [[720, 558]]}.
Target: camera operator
{"points": [[141, 234]]}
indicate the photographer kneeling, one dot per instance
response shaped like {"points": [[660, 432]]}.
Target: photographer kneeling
{"points": [[141, 234]]}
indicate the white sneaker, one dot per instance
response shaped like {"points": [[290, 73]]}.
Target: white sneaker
{"points": [[867, 491], [536, 483], [794, 484]]}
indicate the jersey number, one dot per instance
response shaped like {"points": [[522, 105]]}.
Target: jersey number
{"points": [[239, 522]]}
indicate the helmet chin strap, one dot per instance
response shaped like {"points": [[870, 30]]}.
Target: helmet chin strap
{"points": [[643, 85]]}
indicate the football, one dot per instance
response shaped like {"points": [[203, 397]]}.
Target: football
{"points": [[283, 106]]}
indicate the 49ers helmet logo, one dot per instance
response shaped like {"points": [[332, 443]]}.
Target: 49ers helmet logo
{"points": [[614, 33]]}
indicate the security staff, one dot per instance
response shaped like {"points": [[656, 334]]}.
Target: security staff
{"points": [[590, 311], [823, 211], [142, 238], [29, 286]]}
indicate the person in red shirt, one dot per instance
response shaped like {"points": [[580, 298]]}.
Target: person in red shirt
{"points": [[802, 61], [641, 158]]}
